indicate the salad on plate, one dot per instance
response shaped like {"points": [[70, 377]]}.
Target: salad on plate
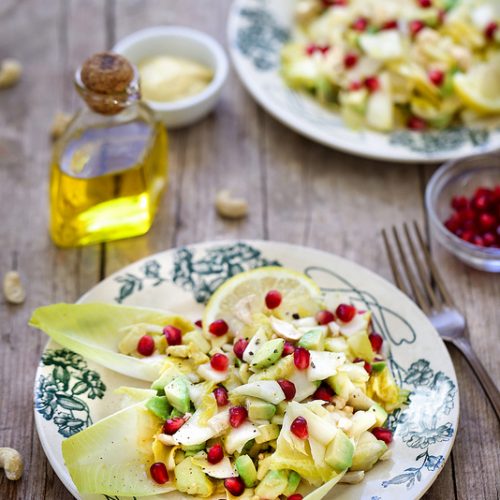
{"points": [[275, 394], [384, 65]]}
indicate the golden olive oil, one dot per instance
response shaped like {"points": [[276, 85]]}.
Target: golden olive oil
{"points": [[106, 182]]}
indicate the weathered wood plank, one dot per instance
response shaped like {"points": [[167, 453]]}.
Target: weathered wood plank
{"points": [[45, 40]]}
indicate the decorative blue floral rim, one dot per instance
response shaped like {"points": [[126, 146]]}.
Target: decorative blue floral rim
{"points": [[259, 38], [61, 395]]}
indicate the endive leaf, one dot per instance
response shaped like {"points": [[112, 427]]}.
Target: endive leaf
{"points": [[114, 455], [322, 491], [95, 331]]}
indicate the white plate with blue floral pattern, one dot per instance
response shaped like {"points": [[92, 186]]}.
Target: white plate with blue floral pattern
{"points": [[257, 29], [72, 392]]}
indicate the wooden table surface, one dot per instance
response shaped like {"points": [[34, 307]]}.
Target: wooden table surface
{"points": [[299, 192]]}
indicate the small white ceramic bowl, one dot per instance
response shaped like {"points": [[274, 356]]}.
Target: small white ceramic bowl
{"points": [[179, 42]]}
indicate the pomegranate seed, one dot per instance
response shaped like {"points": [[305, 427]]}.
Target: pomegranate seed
{"points": [[324, 317], [173, 335], [487, 221], [416, 26], [301, 358], [436, 76], [237, 415], [288, 387], [273, 299], [334, 3], [146, 345], [219, 362], [468, 236], [383, 434], [299, 428], [345, 312], [477, 240], [239, 348], [324, 49], [234, 485], [215, 454], [353, 86], [452, 224], [288, 348], [350, 60], [459, 203], [220, 394], [416, 123], [481, 202], [172, 425], [376, 341], [372, 83], [489, 31], [199, 323], [390, 25], [295, 496], [489, 239], [441, 16], [159, 472], [360, 24], [425, 4], [218, 328], [311, 49], [324, 392]]}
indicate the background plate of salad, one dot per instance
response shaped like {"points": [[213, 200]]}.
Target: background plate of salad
{"points": [[72, 392], [399, 80]]}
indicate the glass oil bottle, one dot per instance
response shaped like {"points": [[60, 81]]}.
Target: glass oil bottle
{"points": [[109, 168]]}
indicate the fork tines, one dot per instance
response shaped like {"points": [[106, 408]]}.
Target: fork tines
{"points": [[420, 273]]}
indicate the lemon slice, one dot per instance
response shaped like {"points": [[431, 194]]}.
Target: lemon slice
{"points": [[479, 88], [239, 299]]}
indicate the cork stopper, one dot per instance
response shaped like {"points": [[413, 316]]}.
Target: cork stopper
{"points": [[106, 80]]}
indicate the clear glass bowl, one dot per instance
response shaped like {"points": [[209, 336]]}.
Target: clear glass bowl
{"points": [[457, 178]]}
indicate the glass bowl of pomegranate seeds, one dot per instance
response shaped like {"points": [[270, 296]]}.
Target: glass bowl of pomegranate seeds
{"points": [[463, 203]]}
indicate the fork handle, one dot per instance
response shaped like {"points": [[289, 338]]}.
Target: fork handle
{"points": [[485, 380]]}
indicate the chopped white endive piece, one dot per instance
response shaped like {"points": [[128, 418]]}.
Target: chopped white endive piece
{"points": [[319, 428], [254, 344], [219, 422], [192, 432], [482, 15], [167, 440], [357, 324], [334, 328], [382, 46], [284, 329], [353, 477], [238, 437], [324, 364], [268, 390], [318, 450], [344, 424], [208, 373], [361, 421], [307, 321], [303, 386], [220, 470], [380, 107]]}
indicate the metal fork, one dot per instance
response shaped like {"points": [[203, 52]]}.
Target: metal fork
{"points": [[436, 303]]}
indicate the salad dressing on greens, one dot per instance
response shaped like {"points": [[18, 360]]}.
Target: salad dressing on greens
{"points": [[276, 392]]}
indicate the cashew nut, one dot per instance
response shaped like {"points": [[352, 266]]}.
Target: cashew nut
{"points": [[13, 288], [10, 73], [59, 125], [227, 206], [12, 462]]}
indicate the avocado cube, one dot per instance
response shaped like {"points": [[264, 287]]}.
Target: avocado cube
{"points": [[190, 478], [177, 393], [314, 339], [339, 452], [160, 406], [342, 385], [268, 354], [259, 409], [368, 451], [378, 366], [380, 414], [267, 432], [293, 483], [246, 469], [273, 485]]}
